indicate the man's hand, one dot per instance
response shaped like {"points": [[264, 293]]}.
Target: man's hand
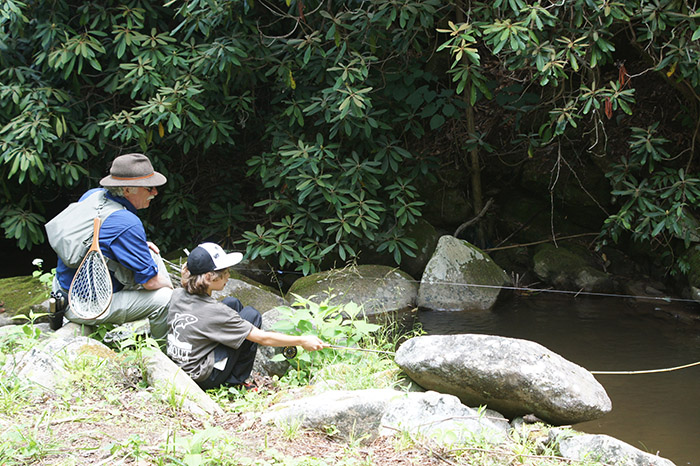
{"points": [[159, 281], [153, 247]]}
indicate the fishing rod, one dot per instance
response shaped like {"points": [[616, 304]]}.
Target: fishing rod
{"points": [[290, 352]]}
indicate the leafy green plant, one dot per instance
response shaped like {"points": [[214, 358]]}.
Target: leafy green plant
{"points": [[131, 448], [135, 348], [45, 278], [656, 205], [325, 120], [334, 324], [23, 444], [207, 446], [291, 428], [22, 225], [15, 394], [18, 338], [560, 49], [327, 196], [177, 79]]}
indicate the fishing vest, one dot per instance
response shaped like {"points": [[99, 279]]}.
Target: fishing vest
{"points": [[70, 233]]}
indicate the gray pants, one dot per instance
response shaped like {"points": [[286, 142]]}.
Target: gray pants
{"points": [[132, 304]]}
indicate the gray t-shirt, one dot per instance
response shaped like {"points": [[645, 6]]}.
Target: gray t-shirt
{"points": [[197, 325]]}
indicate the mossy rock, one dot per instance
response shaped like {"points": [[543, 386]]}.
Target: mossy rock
{"points": [[251, 293], [550, 260], [378, 288], [21, 295], [244, 278], [459, 277], [570, 270]]}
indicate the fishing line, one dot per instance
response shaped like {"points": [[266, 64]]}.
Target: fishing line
{"points": [[665, 299], [650, 371], [290, 352]]}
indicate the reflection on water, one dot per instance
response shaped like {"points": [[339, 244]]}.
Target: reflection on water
{"points": [[653, 412]]}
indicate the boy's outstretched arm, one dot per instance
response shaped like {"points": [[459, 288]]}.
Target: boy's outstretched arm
{"points": [[308, 342]]}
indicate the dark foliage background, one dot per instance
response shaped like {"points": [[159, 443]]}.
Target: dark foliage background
{"points": [[303, 130]]}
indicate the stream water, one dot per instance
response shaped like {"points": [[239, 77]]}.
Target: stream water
{"points": [[653, 412]]}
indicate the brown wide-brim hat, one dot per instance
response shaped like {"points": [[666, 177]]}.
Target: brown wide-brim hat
{"points": [[133, 170]]}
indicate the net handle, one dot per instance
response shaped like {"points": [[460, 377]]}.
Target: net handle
{"points": [[95, 235]]}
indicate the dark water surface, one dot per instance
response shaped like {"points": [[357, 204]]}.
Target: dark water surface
{"points": [[653, 412]]}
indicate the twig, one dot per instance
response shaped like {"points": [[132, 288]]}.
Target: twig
{"points": [[539, 242], [67, 419], [473, 220], [523, 226]]}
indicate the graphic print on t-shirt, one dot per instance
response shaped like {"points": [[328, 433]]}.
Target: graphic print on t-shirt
{"points": [[178, 350]]}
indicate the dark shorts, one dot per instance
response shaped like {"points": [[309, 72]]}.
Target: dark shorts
{"points": [[240, 360]]}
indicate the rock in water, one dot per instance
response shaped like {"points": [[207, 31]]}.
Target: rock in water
{"points": [[512, 376], [460, 276]]}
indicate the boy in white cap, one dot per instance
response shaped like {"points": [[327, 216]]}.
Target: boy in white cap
{"points": [[215, 342]]}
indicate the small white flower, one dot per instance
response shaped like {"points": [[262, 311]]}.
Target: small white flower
{"points": [[38, 262]]}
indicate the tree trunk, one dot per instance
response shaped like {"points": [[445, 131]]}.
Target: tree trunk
{"points": [[473, 156]]}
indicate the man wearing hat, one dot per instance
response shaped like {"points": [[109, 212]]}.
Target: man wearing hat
{"points": [[142, 287]]}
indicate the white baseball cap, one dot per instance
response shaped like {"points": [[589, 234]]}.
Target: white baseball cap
{"points": [[208, 257]]}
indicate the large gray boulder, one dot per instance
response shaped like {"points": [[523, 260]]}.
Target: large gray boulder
{"points": [[46, 364], [251, 293], [603, 449], [512, 376], [263, 358], [378, 288], [460, 276], [443, 418], [352, 413], [360, 413]]}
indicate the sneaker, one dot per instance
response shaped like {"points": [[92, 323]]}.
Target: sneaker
{"points": [[246, 387]]}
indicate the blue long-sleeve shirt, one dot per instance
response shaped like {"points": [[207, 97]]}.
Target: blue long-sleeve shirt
{"points": [[123, 239]]}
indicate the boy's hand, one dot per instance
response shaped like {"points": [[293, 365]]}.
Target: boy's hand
{"points": [[312, 343]]}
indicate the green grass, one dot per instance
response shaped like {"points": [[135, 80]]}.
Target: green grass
{"points": [[100, 416]]}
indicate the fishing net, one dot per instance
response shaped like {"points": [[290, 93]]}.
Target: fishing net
{"points": [[90, 293]]}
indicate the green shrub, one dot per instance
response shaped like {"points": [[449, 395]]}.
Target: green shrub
{"points": [[335, 324]]}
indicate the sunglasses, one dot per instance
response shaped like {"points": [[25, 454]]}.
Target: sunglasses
{"points": [[150, 189]]}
